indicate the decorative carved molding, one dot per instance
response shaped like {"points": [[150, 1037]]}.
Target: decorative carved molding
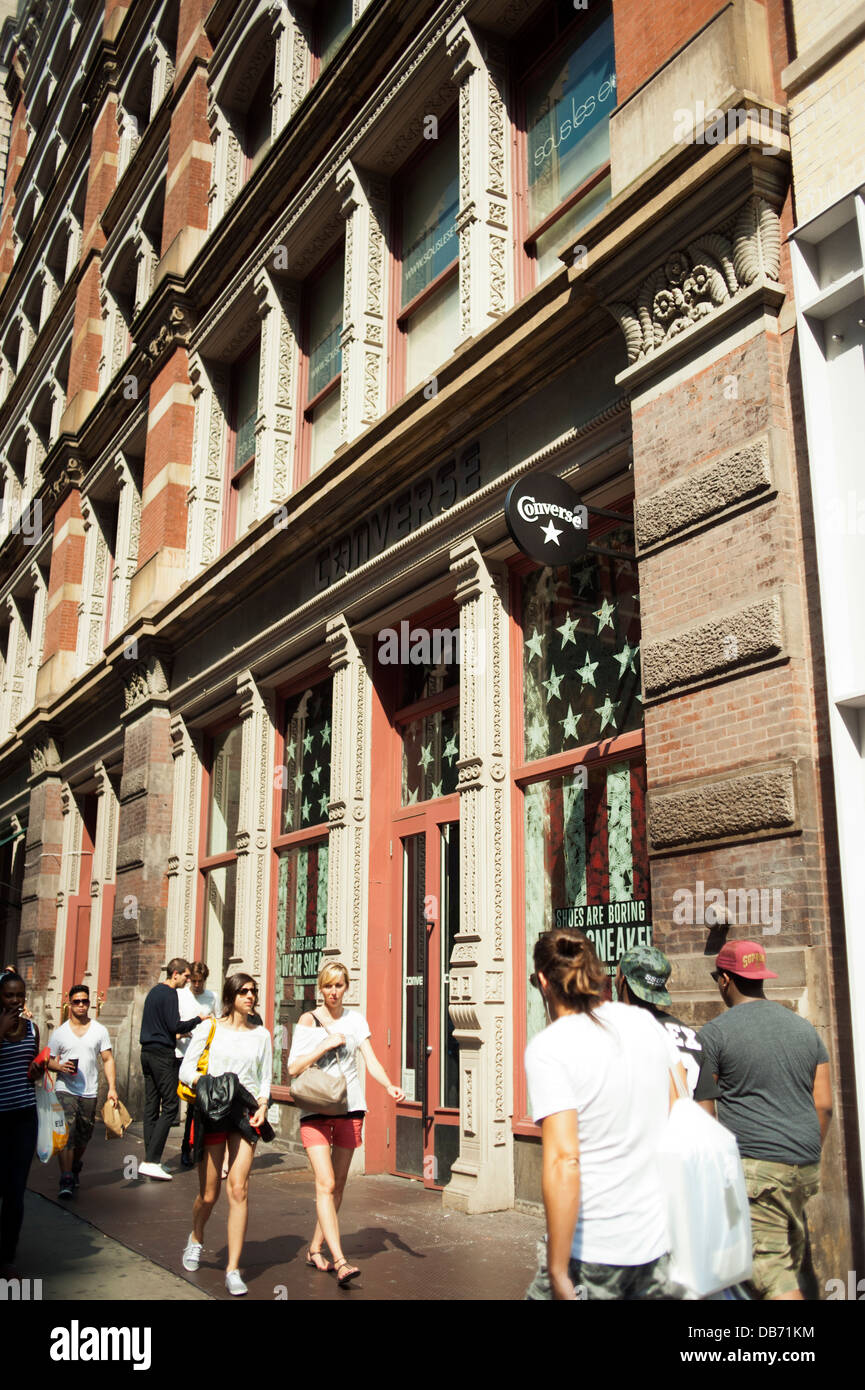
{"points": [[696, 281], [45, 756], [147, 681]]}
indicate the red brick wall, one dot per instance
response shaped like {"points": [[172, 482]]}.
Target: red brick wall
{"points": [[186, 199], [143, 838], [17, 152], [42, 862], [67, 567], [163, 518], [647, 35]]}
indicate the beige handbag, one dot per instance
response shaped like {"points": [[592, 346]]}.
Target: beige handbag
{"points": [[117, 1119], [321, 1089]]}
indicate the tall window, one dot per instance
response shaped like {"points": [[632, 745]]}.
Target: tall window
{"points": [[243, 412], [569, 97], [579, 752], [428, 317], [258, 122], [301, 842], [324, 310], [218, 862], [333, 22]]}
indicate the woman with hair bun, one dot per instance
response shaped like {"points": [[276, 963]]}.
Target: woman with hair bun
{"points": [[601, 1088]]}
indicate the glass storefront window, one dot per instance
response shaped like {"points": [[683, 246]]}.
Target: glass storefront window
{"points": [[581, 650], [301, 936], [586, 863], [430, 749], [568, 106], [224, 806], [220, 887], [306, 775]]}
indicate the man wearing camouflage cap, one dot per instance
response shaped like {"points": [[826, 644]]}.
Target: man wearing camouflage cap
{"points": [[641, 980]]}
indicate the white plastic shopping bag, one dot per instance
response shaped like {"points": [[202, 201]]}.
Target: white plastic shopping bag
{"points": [[708, 1215], [51, 1134]]}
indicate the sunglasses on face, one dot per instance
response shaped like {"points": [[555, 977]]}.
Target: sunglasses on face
{"points": [[253, 992]]}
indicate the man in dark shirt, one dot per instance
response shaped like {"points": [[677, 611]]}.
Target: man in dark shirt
{"points": [[776, 1097], [160, 1025], [641, 980]]}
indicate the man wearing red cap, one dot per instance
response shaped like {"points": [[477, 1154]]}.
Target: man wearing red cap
{"points": [[776, 1097]]}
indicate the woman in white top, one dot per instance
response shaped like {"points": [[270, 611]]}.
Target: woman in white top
{"points": [[246, 1049], [601, 1086], [330, 1140]]}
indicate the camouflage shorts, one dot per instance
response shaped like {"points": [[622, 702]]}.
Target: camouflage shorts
{"points": [[80, 1112], [778, 1193], [608, 1282]]}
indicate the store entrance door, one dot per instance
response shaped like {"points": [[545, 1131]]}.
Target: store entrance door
{"points": [[426, 915]]}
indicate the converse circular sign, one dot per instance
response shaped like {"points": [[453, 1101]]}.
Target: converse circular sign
{"points": [[547, 520]]}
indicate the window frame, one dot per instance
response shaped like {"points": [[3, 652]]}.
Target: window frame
{"points": [[282, 842], [400, 316], [249, 165], [625, 747], [526, 235], [232, 473], [308, 407], [207, 863], [316, 67]]}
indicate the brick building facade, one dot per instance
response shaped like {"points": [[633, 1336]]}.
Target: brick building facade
{"points": [[292, 294]]}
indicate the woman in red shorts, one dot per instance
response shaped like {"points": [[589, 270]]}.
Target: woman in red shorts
{"points": [[330, 1140]]}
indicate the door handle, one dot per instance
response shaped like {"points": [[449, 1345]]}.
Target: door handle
{"points": [[429, 1052]]}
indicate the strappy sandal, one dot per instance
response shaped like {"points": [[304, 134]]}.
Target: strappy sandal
{"points": [[313, 1256], [345, 1272]]}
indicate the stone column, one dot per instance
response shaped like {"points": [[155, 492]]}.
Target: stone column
{"points": [[293, 65], [364, 207], [210, 397], [42, 866], [70, 871], [480, 986], [484, 218], [146, 261], [225, 169], [126, 548], [163, 71], [278, 306], [16, 664], [103, 874], [254, 829], [37, 633], [91, 609], [183, 855], [348, 812]]}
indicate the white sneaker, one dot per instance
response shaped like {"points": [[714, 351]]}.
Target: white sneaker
{"points": [[192, 1254], [154, 1170], [234, 1283]]}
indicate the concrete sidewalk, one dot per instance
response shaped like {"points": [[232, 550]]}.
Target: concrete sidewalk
{"points": [[396, 1230]]}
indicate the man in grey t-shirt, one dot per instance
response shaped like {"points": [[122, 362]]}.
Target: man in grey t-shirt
{"points": [[776, 1097]]}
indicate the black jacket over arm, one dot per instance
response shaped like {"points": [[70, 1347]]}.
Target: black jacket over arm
{"points": [[223, 1103]]}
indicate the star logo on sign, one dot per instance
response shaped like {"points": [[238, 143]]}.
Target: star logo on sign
{"points": [[551, 533], [307, 742], [604, 615], [625, 658], [450, 750], [570, 722], [586, 672], [567, 629], [552, 685], [315, 773], [535, 644], [607, 712], [426, 756]]}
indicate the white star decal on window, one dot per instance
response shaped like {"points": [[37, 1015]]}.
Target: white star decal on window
{"points": [[450, 750], [552, 685], [607, 712], [289, 752], [436, 789], [586, 672], [426, 756], [567, 629], [307, 742], [315, 773], [325, 734], [625, 658], [570, 722], [604, 615], [535, 643], [536, 734], [306, 809], [322, 805]]}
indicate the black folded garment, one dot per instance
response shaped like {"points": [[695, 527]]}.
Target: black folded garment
{"points": [[221, 1102]]}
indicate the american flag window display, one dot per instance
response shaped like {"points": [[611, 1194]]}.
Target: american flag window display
{"points": [[430, 736], [306, 758], [581, 650], [301, 936]]}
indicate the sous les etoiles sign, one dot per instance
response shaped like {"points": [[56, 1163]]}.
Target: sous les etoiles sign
{"points": [[547, 520]]}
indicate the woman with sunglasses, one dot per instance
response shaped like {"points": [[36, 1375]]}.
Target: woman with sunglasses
{"points": [[244, 1047]]}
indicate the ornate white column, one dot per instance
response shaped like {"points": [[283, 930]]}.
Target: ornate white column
{"points": [[69, 875], [126, 548], [146, 261], [225, 177], [278, 309], [364, 207], [73, 245], [104, 868], [50, 292], [91, 609], [484, 219], [35, 457], [127, 130], [294, 62], [254, 829], [16, 662], [480, 988], [209, 395], [182, 869], [36, 642], [348, 812], [163, 71]]}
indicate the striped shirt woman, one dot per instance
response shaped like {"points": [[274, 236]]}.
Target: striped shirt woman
{"points": [[19, 1043]]}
